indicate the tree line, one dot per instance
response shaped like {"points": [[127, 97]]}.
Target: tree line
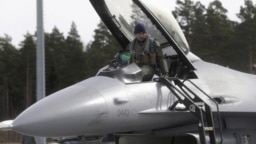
{"points": [[67, 61], [210, 33], [216, 38]]}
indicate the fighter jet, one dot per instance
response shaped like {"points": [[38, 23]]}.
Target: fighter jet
{"points": [[200, 103]]}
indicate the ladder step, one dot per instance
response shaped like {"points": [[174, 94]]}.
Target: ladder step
{"points": [[196, 105], [208, 128]]}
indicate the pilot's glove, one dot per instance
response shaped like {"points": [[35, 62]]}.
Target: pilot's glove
{"points": [[125, 57], [165, 75]]}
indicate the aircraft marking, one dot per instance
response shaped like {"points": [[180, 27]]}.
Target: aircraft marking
{"points": [[123, 112]]}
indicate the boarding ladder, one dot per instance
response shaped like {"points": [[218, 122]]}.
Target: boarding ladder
{"points": [[197, 106]]}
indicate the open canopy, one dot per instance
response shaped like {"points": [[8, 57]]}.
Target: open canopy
{"points": [[120, 16]]}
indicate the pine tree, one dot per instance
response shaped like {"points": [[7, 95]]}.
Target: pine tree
{"points": [[27, 68], [220, 31], [55, 59], [184, 13], [101, 49], [75, 69], [8, 77], [246, 34]]}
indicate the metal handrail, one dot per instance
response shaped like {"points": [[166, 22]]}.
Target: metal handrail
{"points": [[188, 96], [217, 106]]}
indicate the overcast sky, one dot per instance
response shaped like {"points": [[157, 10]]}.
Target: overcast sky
{"points": [[19, 16]]}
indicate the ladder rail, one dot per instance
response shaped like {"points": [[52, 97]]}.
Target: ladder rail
{"points": [[193, 103], [217, 106], [208, 112], [207, 107], [171, 87]]}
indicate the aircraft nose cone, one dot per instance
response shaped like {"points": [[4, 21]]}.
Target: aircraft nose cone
{"points": [[73, 111]]}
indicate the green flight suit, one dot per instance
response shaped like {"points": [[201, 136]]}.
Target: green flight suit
{"points": [[149, 56]]}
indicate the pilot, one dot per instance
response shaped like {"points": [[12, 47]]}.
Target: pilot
{"points": [[147, 54]]}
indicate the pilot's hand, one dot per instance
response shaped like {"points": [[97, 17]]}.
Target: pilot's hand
{"points": [[165, 75]]}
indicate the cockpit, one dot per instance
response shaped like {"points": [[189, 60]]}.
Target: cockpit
{"points": [[121, 16]]}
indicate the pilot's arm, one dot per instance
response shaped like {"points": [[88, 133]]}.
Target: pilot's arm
{"points": [[161, 61]]}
